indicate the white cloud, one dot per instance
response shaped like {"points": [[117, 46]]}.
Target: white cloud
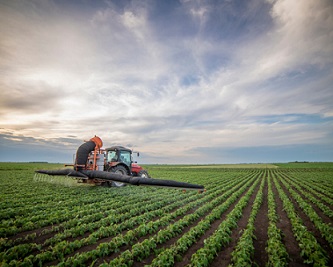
{"points": [[268, 73], [110, 71], [302, 36]]}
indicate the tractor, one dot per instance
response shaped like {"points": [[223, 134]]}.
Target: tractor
{"points": [[115, 159], [119, 160], [113, 166]]}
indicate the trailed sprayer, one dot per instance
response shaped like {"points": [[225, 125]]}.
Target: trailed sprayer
{"points": [[113, 166]]}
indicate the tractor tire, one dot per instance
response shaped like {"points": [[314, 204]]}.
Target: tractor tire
{"points": [[119, 170], [143, 174]]}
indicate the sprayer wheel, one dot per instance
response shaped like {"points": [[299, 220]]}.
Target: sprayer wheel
{"points": [[119, 170]]}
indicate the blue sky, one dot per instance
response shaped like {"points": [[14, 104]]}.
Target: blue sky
{"points": [[180, 81]]}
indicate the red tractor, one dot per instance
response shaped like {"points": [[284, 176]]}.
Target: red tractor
{"points": [[116, 159]]}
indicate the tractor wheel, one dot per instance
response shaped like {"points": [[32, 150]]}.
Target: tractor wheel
{"points": [[143, 174], [119, 170]]}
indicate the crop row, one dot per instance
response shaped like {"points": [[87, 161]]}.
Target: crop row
{"points": [[311, 250], [313, 194], [167, 256], [244, 251], [63, 248], [320, 181], [222, 236], [25, 223], [325, 229], [276, 250], [100, 228], [130, 226], [140, 250]]}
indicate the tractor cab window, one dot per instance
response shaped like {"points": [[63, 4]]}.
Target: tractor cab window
{"points": [[112, 156], [125, 156]]}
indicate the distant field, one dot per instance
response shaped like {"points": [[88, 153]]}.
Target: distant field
{"points": [[253, 165], [250, 214], [305, 165], [244, 166]]}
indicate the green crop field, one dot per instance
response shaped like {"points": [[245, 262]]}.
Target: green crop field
{"points": [[250, 214]]}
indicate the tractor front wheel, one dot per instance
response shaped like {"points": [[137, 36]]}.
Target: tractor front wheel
{"points": [[119, 170], [143, 174]]}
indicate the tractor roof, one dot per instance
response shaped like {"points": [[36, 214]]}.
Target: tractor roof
{"points": [[114, 148]]}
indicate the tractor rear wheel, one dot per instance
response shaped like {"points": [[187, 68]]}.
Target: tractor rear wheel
{"points": [[119, 170]]}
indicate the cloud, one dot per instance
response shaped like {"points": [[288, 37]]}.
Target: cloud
{"points": [[167, 77], [300, 38]]}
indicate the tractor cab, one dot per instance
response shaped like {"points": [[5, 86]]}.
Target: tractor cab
{"points": [[119, 155], [119, 159]]}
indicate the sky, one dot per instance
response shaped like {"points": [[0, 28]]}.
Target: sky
{"points": [[188, 81]]}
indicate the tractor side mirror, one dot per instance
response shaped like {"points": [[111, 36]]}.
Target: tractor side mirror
{"points": [[138, 154]]}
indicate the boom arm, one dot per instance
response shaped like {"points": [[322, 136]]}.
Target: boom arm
{"points": [[109, 176]]}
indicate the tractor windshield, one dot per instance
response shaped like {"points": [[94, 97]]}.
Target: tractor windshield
{"points": [[112, 156], [125, 156]]}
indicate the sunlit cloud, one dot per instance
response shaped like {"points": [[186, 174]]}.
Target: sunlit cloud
{"points": [[167, 77]]}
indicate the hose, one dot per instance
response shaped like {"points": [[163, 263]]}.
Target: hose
{"points": [[109, 176]]}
